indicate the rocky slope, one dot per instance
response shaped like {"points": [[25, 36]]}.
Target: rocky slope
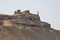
{"points": [[26, 26]]}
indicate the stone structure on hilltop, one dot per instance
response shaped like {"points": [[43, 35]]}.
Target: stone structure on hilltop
{"points": [[23, 18]]}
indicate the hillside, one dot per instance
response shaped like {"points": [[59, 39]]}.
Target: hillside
{"points": [[26, 26]]}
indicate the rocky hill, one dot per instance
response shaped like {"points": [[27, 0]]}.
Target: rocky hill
{"points": [[26, 26]]}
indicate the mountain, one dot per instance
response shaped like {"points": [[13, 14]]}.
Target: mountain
{"points": [[26, 26]]}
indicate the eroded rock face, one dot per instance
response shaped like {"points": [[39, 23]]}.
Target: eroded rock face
{"points": [[26, 26]]}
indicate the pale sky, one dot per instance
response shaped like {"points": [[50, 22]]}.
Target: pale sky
{"points": [[49, 9]]}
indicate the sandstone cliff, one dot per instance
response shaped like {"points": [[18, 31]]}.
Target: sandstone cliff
{"points": [[26, 26]]}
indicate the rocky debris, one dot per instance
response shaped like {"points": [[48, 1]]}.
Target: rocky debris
{"points": [[26, 26]]}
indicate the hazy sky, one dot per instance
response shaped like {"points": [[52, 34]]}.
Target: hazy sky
{"points": [[49, 9]]}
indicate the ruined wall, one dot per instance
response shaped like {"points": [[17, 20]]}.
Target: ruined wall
{"points": [[16, 13]]}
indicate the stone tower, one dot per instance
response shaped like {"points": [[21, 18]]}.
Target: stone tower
{"points": [[18, 12]]}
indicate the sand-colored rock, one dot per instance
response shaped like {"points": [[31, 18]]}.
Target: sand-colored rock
{"points": [[7, 23]]}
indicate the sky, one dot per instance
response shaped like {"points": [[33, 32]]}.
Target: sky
{"points": [[49, 10]]}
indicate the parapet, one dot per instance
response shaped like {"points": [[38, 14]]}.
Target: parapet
{"points": [[26, 11]]}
